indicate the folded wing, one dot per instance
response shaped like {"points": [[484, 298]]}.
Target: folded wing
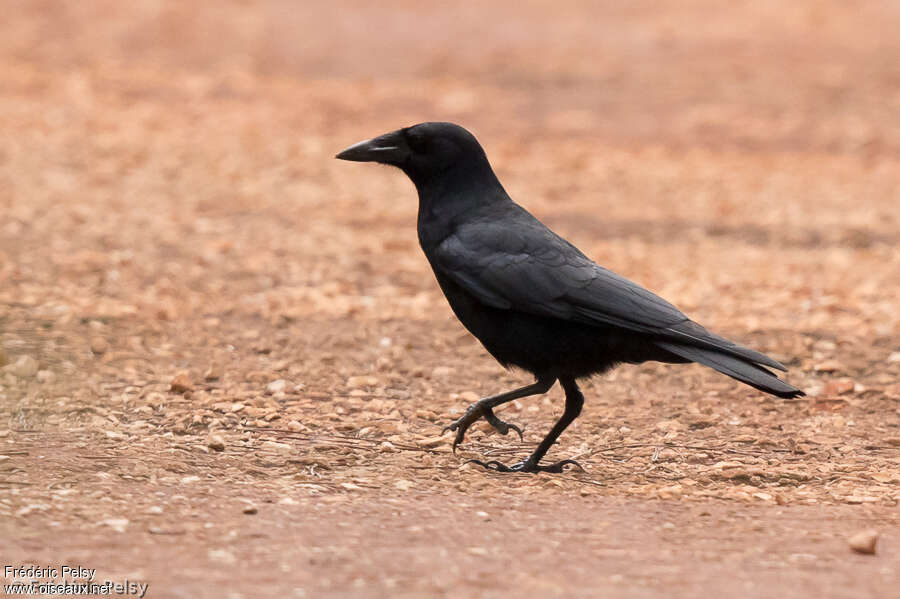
{"points": [[524, 266]]}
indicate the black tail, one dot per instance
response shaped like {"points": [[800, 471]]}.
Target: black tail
{"points": [[745, 371]]}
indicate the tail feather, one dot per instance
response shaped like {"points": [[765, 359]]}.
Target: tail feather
{"points": [[693, 334], [743, 370]]}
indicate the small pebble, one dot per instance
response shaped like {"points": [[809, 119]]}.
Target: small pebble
{"points": [[356, 382], [670, 492], [276, 446], [828, 366], [182, 383], [257, 376], [117, 524], [433, 441], [864, 542], [277, 386], [46, 377], [216, 443], [839, 386], [34, 507], [25, 367], [99, 346], [469, 396]]}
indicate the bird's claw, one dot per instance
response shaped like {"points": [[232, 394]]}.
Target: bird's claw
{"points": [[526, 466], [473, 413], [501, 426]]}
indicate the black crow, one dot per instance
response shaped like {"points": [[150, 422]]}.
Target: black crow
{"points": [[531, 297]]}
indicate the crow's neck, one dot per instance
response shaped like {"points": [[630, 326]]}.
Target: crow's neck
{"points": [[445, 198]]}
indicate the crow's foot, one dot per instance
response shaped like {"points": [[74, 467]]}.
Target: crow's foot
{"points": [[526, 466], [475, 412]]}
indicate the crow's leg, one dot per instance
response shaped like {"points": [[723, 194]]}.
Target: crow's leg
{"points": [[484, 408], [574, 403]]}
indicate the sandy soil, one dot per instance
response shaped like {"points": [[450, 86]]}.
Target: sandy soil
{"points": [[228, 364]]}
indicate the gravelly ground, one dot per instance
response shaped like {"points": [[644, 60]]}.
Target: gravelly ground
{"points": [[171, 212]]}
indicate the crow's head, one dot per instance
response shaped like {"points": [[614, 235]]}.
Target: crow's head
{"points": [[423, 151]]}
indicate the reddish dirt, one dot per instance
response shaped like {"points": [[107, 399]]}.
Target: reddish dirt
{"points": [[171, 213]]}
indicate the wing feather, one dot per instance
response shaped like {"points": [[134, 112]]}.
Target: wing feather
{"points": [[524, 266]]}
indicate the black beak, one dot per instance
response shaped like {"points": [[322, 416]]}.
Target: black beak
{"points": [[390, 148]]}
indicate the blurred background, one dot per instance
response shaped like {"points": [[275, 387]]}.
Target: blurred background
{"points": [[176, 238], [151, 131]]}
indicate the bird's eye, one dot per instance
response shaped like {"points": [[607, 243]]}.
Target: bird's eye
{"points": [[417, 142]]}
